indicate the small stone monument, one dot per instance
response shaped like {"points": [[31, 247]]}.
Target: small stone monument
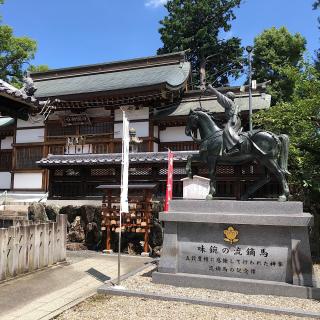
{"points": [[196, 188], [254, 247]]}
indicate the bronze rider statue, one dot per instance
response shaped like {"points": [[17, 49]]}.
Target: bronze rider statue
{"points": [[231, 138]]}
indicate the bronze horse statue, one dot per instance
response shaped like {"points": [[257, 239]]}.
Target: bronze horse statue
{"points": [[266, 148]]}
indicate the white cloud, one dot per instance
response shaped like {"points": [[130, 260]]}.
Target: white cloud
{"points": [[155, 3]]}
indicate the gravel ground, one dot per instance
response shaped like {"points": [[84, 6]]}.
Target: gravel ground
{"points": [[116, 308], [112, 307]]}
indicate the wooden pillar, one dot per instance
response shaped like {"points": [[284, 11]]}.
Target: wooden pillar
{"points": [[108, 227], [151, 136], [148, 203]]}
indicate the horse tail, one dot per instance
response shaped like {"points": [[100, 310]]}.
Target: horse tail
{"points": [[284, 153]]}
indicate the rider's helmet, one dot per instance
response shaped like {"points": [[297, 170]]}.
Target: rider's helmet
{"points": [[231, 95]]}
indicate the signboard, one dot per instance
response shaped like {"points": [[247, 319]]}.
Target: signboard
{"points": [[75, 119]]}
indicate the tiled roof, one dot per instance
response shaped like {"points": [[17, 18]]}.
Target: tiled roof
{"points": [[13, 93], [111, 158], [170, 70], [259, 101]]}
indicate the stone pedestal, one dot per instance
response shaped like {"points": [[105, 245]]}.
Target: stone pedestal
{"points": [[254, 247]]}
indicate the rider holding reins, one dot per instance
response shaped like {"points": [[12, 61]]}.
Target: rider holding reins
{"points": [[231, 138]]}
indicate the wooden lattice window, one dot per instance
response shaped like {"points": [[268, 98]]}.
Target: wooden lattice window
{"points": [[100, 148], [72, 173], [203, 171], [225, 170], [97, 128], [163, 171], [27, 157], [55, 129], [6, 160], [140, 171], [103, 172], [58, 172], [179, 171], [56, 149]]}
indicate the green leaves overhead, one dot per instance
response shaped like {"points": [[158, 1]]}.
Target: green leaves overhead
{"points": [[275, 49], [300, 119], [14, 52], [196, 25]]}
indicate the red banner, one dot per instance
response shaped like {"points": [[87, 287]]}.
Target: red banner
{"points": [[169, 180]]}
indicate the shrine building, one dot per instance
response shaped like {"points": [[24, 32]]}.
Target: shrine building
{"points": [[73, 146]]}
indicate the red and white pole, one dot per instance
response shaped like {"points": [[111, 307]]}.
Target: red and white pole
{"points": [[169, 180]]}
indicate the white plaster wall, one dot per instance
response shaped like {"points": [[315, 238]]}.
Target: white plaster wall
{"points": [[142, 129], [155, 132], [5, 180], [29, 123], [79, 149], [27, 180], [174, 134], [155, 147], [6, 143], [142, 113], [30, 135]]}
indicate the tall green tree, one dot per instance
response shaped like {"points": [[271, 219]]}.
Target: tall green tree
{"points": [[316, 5], [196, 25], [274, 50], [15, 54], [300, 119]]}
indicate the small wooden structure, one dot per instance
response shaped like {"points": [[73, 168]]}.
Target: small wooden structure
{"points": [[137, 220]]}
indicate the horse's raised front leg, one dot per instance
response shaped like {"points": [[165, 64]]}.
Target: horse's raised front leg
{"points": [[212, 162], [190, 159]]}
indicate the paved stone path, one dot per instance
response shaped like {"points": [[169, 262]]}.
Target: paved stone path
{"points": [[42, 294]]}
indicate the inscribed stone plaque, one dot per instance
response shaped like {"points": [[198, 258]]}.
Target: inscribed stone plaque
{"points": [[203, 250]]}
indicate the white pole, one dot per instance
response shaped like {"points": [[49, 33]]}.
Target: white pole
{"points": [[249, 50], [124, 207]]}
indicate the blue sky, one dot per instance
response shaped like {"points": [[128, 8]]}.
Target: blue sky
{"points": [[71, 32]]}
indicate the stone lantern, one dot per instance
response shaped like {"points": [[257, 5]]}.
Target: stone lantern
{"points": [[134, 140]]}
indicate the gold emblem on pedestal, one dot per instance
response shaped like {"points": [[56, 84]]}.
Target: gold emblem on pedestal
{"points": [[231, 235]]}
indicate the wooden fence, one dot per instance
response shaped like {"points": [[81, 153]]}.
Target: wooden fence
{"points": [[30, 246]]}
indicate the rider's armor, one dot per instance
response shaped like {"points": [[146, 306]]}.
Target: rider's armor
{"points": [[231, 138]]}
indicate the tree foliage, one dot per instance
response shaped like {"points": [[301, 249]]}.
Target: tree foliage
{"points": [[300, 119], [316, 5], [38, 68], [196, 25], [15, 54], [274, 50]]}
